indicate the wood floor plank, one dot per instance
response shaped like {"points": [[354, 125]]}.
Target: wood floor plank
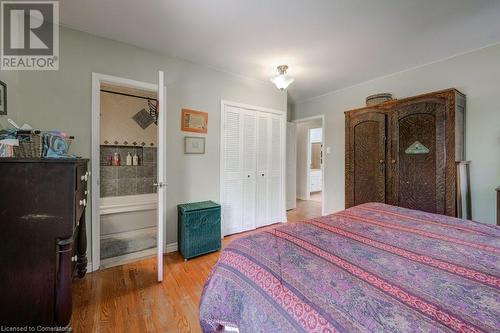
{"points": [[128, 298]]}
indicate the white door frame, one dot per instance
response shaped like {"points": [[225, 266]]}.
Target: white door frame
{"points": [[225, 103], [323, 166], [97, 79]]}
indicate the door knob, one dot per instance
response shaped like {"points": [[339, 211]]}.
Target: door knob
{"points": [[262, 175]]}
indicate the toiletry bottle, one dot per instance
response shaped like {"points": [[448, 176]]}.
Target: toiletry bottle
{"points": [[129, 159], [136, 159], [116, 159]]}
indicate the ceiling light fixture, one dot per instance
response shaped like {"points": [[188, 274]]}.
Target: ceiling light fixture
{"points": [[282, 81]]}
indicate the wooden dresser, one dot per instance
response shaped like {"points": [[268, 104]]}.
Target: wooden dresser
{"points": [[42, 239], [403, 152]]}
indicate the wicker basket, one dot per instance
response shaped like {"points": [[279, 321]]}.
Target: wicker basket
{"points": [[198, 228], [31, 145], [378, 98]]}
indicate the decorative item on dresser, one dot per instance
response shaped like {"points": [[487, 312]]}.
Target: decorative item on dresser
{"points": [[43, 240], [199, 228], [403, 152]]}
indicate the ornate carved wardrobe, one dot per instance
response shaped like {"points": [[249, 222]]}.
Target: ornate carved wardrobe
{"points": [[403, 152]]}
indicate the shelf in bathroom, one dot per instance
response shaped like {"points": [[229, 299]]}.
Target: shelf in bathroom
{"points": [[105, 165]]}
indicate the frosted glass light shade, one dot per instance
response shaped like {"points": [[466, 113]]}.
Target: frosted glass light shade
{"points": [[282, 81]]}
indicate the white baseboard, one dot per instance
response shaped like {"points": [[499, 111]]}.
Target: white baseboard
{"points": [[172, 247]]}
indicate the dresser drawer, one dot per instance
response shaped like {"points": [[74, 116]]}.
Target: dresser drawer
{"points": [[82, 177]]}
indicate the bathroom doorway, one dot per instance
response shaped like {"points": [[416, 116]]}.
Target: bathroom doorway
{"points": [[128, 151], [128, 160], [309, 137]]}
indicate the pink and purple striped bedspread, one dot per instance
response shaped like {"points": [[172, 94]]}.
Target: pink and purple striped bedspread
{"points": [[370, 268]]}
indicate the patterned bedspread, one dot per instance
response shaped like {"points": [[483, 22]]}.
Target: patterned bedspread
{"points": [[370, 268]]}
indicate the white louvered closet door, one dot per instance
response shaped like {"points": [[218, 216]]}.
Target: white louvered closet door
{"points": [[232, 187], [263, 152], [252, 169], [249, 145], [276, 158]]}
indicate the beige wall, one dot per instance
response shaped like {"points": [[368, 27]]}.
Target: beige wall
{"points": [[117, 123], [477, 74], [62, 100]]}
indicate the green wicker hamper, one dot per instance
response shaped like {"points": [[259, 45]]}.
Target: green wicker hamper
{"points": [[198, 230]]}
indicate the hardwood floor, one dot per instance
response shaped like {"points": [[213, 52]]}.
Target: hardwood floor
{"points": [[127, 298]]}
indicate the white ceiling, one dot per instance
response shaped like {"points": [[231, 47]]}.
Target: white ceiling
{"points": [[328, 44]]}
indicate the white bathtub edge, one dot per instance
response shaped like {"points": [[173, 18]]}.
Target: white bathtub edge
{"points": [[130, 203]]}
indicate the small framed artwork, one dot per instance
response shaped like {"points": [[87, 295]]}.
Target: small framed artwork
{"points": [[194, 145], [3, 98], [194, 121]]}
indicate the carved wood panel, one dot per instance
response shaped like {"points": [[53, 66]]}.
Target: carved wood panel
{"points": [[367, 158], [419, 156]]}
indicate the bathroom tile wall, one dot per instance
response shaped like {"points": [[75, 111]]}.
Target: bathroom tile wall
{"points": [[128, 180]]}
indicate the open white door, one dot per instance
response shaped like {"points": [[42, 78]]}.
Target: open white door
{"points": [[161, 181]]}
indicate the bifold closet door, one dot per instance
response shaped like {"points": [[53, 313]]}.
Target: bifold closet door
{"points": [[239, 167], [232, 187], [269, 169], [249, 142], [262, 191], [252, 169]]}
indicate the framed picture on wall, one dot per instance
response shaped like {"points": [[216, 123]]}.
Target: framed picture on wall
{"points": [[194, 145], [194, 121], [3, 98]]}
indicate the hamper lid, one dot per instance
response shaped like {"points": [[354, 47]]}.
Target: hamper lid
{"points": [[189, 207]]}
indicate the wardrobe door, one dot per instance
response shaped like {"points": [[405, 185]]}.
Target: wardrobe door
{"points": [[263, 156], [275, 169], [232, 185], [418, 156], [249, 143], [365, 158]]}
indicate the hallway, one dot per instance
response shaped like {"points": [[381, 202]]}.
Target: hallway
{"points": [[306, 209]]}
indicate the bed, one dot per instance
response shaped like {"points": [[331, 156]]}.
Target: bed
{"points": [[370, 268]]}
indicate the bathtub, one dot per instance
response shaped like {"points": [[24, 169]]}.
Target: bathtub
{"points": [[128, 213], [128, 228]]}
